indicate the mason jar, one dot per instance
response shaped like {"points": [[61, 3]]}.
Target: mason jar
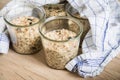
{"points": [[22, 23], [60, 39], [75, 14]]}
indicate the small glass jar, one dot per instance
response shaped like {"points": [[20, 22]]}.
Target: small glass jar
{"points": [[74, 13], [22, 22], [60, 38]]}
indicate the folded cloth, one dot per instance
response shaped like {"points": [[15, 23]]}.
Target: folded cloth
{"points": [[102, 42], [4, 41]]}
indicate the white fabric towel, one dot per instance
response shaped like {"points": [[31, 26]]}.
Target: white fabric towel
{"points": [[4, 41], [102, 42]]}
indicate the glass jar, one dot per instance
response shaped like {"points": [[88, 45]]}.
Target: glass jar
{"points": [[22, 23], [60, 38], [55, 10], [74, 13]]}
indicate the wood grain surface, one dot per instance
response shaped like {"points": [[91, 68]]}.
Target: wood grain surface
{"points": [[14, 66]]}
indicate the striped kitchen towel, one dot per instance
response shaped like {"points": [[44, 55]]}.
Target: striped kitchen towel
{"points": [[4, 41], [102, 42]]}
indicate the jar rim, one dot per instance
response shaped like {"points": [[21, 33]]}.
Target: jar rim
{"points": [[61, 17], [67, 9], [13, 25]]}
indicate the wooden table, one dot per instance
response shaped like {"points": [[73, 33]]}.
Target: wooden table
{"points": [[14, 66]]}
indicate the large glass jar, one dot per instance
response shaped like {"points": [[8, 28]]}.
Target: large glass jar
{"points": [[22, 22], [74, 13], [60, 38]]}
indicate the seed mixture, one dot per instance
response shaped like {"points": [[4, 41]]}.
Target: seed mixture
{"points": [[59, 53], [27, 38], [55, 10]]}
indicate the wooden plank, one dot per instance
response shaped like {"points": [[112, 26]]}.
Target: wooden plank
{"points": [[3, 2], [14, 66]]}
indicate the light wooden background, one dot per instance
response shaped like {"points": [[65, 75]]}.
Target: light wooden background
{"points": [[14, 66]]}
